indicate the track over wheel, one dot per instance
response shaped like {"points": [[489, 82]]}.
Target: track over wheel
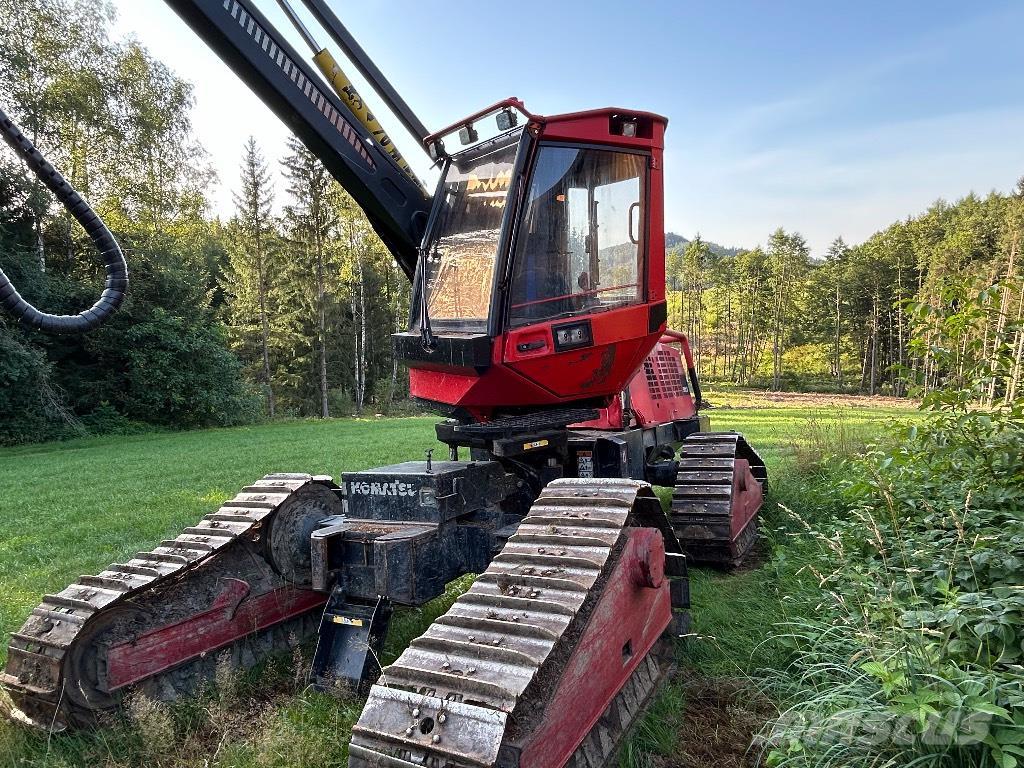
{"points": [[83, 676], [290, 528], [719, 490], [232, 585], [600, 748], [551, 655]]}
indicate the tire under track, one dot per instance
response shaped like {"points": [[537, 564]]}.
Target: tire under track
{"points": [[597, 750], [55, 659]]}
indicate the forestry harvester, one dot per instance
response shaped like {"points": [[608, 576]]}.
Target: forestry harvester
{"points": [[539, 329]]}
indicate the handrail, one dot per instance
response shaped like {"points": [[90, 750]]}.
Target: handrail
{"points": [[511, 102], [669, 336]]}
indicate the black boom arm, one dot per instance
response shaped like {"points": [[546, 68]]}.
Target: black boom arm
{"points": [[243, 38]]}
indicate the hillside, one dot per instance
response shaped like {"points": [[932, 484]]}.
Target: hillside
{"points": [[678, 242]]}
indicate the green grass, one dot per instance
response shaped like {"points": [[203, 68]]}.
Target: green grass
{"points": [[74, 507]]}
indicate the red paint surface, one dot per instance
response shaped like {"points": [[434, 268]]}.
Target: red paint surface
{"points": [[597, 669], [747, 496], [652, 406], [232, 616], [621, 341], [511, 102], [669, 399]]}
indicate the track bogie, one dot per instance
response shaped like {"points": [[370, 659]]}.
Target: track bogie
{"points": [[548, 658], [719, 490], [158, 622]]}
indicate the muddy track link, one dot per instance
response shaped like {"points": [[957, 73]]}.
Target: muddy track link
{"points": [[486, 685], [600, 748], [58, 667], [711, 506]]}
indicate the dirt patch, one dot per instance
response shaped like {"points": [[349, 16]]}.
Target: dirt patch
{"points": [[760, 398], [720, 719]]}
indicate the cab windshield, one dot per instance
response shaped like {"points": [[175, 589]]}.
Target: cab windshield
{"points": [[459, 262]]}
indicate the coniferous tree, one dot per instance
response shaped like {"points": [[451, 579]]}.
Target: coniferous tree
{"points": [[253, 253], [311, 272], [835, 260]]}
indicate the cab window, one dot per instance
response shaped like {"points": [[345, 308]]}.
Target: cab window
{"points": [[578, 250], [459, 261]]}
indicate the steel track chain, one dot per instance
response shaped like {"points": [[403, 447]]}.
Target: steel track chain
{"points": [[39, 652], [702, 502], [600, 748], [456, 693]]}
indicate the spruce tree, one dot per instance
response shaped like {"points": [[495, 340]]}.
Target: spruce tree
{"points": [[311, 273], [252, 256]]}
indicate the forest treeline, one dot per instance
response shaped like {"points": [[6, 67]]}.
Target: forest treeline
{"points": [[286, 308], [862, 318], [225, 322]]}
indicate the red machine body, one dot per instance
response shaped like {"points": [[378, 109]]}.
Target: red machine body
{"points": [[538, 300], [625, 628], [657, 394], [558, 296]]}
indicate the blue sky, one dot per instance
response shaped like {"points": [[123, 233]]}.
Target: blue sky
{"points": [[821, 117]]}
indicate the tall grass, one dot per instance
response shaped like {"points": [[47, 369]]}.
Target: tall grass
{"points": [[822, 438], [711, 712], [912, 652]]}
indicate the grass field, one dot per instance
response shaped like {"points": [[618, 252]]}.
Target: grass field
{"points": [[72, 508]]}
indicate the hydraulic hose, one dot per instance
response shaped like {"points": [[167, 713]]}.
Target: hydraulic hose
{"points": [[110, 252]]}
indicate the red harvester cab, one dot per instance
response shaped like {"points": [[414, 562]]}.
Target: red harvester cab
{"points": [[542, 281]]}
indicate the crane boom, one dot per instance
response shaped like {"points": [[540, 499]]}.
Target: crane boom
{"points": [[248, 43], [541, 332], [355, 53]]}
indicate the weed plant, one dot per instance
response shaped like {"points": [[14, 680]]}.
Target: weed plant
{"points": [[913, 653]]}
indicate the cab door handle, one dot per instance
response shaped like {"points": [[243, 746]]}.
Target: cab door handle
{"points": [[530, 346]]}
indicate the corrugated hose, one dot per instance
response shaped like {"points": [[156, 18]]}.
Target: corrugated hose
{"points": [[110, 252]]}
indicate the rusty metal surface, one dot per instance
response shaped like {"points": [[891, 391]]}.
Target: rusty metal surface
{"points": [[453, 696], [41, 652], [704, 502]]}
